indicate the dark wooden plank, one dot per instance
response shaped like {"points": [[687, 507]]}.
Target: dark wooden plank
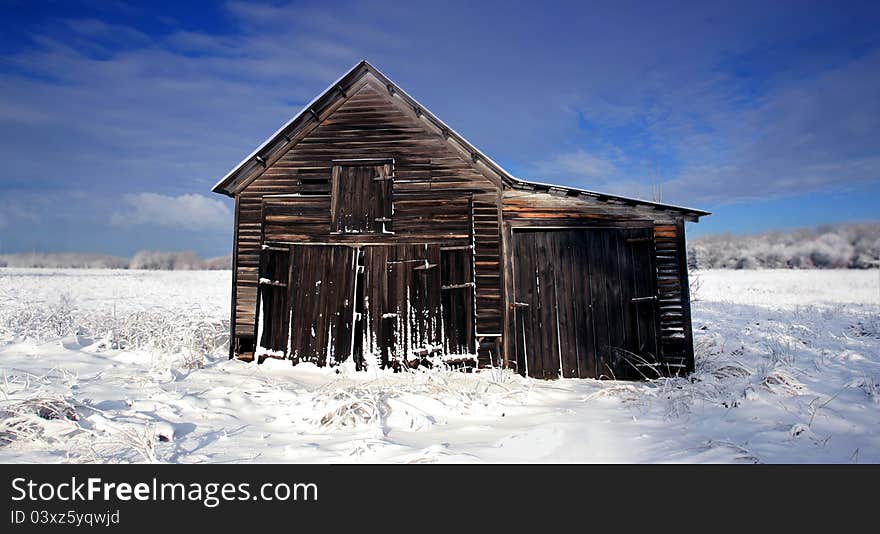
{"points": [[587, 352], [326, 294], [522, 301], [302, 258], [532, 296], [626, 353], [546, 262], [567, 299], [599, 252], [616, 309]]}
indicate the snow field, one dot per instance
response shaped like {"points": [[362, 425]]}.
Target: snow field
{"points": [[129, 366]]}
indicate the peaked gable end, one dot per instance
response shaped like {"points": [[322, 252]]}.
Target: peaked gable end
{"points": [[335, 96], [370, 123]]}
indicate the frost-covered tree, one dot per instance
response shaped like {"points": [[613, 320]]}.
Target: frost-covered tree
{"points": [[144, 259], [855, 246], [185, 260], [63, 260]]}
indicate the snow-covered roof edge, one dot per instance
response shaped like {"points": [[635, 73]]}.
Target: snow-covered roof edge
{"points": [[305, 113], [533, 185]]}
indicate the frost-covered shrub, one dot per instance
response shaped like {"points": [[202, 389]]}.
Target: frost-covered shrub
{"points": [[351, 407], [26, 420], [186, 260], [189, 333], [869, 327], [218, 263], [63, 260]]}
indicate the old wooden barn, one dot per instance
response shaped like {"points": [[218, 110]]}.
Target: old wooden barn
{"points": [[367, 229]]}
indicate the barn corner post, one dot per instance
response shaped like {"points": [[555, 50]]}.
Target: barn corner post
{"points": [[451, 252], [233, 340], [509, 331]]}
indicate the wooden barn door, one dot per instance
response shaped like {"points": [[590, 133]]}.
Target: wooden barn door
{"points": [[585, 303], [273, 302], [308, 298], [324, 295], [379, 303], [402, 302]]}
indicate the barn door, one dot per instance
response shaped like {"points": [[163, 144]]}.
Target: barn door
{"points": [[377, 304], [307, 303], [402, 287], [584, 303], [324, 297], [273, 302], [640, 296]]}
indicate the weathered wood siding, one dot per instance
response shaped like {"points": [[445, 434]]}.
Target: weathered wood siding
{"points": [[432, 187], [529, 209], [673, 293], [487, 264], [584, 303]]}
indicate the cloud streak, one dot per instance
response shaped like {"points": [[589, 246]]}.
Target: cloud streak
{"points": [[185, 212], [578, 164], [818, 134]]}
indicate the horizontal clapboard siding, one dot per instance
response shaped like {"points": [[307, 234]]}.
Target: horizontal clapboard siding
{"points": [[247, 263], [419, 217], [676, 345], [487, 264]]}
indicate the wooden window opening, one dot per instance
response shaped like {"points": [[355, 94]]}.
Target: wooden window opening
{"points": [[361, 196]]}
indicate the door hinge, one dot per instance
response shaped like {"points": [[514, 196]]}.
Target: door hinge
{"points": [[642, 299]]}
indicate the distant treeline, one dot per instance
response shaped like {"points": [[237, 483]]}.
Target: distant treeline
{"points": [[845, 246], [185, 260]]}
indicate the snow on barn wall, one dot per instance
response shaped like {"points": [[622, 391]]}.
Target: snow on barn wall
{"points": [[367, 229]]}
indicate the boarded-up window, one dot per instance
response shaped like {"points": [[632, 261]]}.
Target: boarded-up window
{"points": [[361, 197]]}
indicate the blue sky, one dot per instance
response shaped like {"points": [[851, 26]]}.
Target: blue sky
{"points": [[116, 118]]}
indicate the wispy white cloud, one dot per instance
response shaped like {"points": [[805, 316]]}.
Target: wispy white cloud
{"points": [[577, 165], [821, 133], [184, 212]]}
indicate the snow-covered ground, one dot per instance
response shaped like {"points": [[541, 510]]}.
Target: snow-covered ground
{"points": [[130, 366], [789, 288]]}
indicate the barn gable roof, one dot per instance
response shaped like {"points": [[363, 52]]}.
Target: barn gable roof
{"points": [[312, 113]]}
